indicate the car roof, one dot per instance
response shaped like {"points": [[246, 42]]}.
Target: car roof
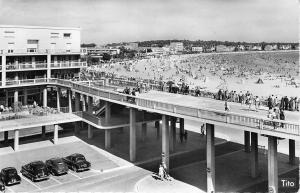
{"points": [[77, 155], [37, 163], [55, 159], [8, 168]]}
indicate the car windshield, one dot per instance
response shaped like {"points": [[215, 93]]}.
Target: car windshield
{"points": [[11, 172], [79, 159], [60, 164]]}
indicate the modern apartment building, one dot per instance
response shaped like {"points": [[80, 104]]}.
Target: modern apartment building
{"points": [[31, 55]]}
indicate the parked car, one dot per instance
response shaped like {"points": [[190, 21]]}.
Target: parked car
{"points": [[10, 176], [2, 186], [56, 166], [77, 162], [35, 171]]}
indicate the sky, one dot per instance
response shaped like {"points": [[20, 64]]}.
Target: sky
{"points": [[107, 21]]}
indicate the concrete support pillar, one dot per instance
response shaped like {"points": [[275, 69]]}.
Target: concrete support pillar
{"points": [[25, 96], [70, 100], [16, 140], [254, 155], [210, 157], [181, 123], [5, 137], [83, 102], [55, 138], [48, 65], [90, 105], [6, 98], [43, 132], [132, 135], [3, 69], [272, 164], [107, 111], [45, 97], [165, 142], [157, 126], [16, 97], [90, 131], [77, 101], [247, 146], [107, 138], [144, 131], [173, 134], [292, 156], [58, 99]]}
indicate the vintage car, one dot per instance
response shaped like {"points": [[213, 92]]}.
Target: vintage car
{"points": [[35, 171], [56, 166], [10, 176], [77, 162], [2, 186]]}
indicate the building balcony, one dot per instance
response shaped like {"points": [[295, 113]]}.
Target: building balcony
{"points": [[68, 64], [41, 51], [26, 82], [26, 66]]}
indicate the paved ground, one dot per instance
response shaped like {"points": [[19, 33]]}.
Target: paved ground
{"points": [[201, 102]]}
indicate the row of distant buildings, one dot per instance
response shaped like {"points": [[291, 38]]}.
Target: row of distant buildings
{"points": [[178, 47]]}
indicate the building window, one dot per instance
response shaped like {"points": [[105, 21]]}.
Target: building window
{"points": [[32, 41], [31, 49], [9, 34], [67, 35], [54, 35]]}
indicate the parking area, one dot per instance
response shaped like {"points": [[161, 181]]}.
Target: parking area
{"points": [[100, 163]]}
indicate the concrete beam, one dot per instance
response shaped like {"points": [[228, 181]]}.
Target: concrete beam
{"points": [[107, 138], [55, 137], [247, 146], [210, 157], [292, 157], [16, 140], [165, 142], [254, 155], [132, 135], [272, 165]]}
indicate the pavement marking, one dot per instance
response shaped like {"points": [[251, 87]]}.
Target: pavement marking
{"points": [[30, 182], [55, 180], [74, 175]]}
